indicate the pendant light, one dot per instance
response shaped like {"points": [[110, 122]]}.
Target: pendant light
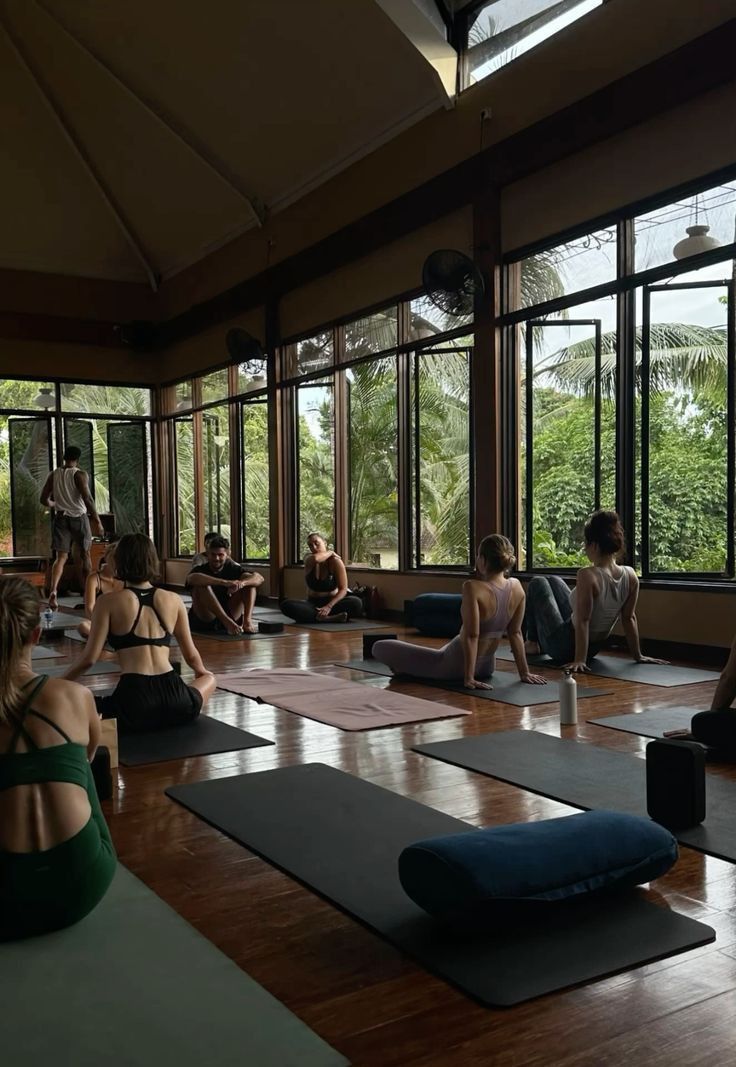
{"points": [[45, 398], [697, 239]]}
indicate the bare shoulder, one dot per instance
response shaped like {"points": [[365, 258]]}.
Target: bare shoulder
{"points": [[63, 696], [586, 576], [472, 585]]}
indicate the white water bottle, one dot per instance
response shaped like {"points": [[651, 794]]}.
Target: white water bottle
{"points": [[568, 700]]}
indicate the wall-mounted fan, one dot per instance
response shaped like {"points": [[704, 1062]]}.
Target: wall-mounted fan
{"points": [[242, 346], [452, 281]]}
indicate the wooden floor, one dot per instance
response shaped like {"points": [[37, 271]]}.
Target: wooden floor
{"points": [[350, 986]]}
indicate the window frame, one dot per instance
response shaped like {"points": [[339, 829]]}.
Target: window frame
{"points": [[623, 288]]}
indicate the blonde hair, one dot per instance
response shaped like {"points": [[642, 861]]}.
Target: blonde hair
{"points": [[19, 613], [498, 553]]}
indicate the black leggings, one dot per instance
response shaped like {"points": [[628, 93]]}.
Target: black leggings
{"points": [[142, 702], [306, 610]]}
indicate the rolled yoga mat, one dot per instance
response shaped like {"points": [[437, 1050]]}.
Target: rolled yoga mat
{"points": [[507, 689], [586, 777], [331, 700], [205, 736], [135, 984], [342, 836], [627, 670], [653, 722]]}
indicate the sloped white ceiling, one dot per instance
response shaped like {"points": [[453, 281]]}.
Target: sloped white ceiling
{"points": [[138, 136]]}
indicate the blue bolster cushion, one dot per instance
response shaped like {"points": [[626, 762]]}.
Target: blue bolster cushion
{"points": [[552, 860], [438, 614]]}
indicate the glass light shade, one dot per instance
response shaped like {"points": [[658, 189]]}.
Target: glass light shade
{"points": [[696, 241], [45, 399]]}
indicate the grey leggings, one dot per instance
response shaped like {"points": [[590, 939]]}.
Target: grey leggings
{"points": [[447, 663], [548, 619], [306, 610]]}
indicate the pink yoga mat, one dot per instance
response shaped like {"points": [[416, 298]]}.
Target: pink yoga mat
{"points": [[331, 700]]}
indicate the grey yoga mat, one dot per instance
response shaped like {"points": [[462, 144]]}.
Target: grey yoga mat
{"points": [[507, 689], [653, 722], [236, 637], [586, 777], [102, 667], [40, 652], [135, 984], [342, 836], [203, 737], [627, 670]]}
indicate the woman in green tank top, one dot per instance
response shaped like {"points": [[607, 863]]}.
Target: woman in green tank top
{"points": [[56, 856]]}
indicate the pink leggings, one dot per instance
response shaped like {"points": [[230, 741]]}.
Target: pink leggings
{"points": [[445, 663]]}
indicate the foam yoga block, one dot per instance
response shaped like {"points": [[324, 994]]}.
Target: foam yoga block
{"points": [[464, 875], [438, 614], [717, 729]]}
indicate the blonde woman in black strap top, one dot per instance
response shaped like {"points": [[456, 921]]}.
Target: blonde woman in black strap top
{"points": [[139, 622]]}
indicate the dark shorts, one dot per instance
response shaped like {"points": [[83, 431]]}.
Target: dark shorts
{"points": [[68, 530], [202, 626], [144, 702]]}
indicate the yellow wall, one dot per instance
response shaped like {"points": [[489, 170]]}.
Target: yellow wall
{"points": [[607, 44], [395, 269], [206, 349], [676, 147], [43, 359]]}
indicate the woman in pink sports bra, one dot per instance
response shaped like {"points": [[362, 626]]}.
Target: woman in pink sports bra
{"points": [[492, 605]]}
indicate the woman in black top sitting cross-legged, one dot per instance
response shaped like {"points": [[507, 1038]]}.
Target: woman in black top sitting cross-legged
{"points": [[328, 596], [138, 622]]}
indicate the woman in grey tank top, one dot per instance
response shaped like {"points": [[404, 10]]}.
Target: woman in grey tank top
{"points": [[572, 626]]}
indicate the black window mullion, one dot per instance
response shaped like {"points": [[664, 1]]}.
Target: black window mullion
{"points": [[625, 391], [529, 435], [416, 467], [645, 369], [597, 420], [731, 428]]}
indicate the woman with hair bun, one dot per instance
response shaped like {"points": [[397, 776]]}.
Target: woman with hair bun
{"points": [[571, 626], [492, 605], [56, 856]]}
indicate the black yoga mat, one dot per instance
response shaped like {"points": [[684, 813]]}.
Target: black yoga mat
{"points": [[627, 670], [203, 737], [342, 836], [507, 689], [330, 627], [586, 777], [271, 615], [235, 637], [135, 984], [650, 723]]}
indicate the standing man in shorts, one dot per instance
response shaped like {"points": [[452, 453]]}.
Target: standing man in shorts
{"points": [[67, 492], [223, 592]]}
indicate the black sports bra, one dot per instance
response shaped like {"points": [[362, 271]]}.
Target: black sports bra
{"points": [[132, 639]]}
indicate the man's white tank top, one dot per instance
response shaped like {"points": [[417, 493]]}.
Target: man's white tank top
{"points": [[66, 495], [608, 604]]}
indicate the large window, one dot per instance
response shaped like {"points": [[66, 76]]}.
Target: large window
{"points": [[372, 463], [629, 400], [315, 447], [499, 31], [255, 474], [440, 389], [216, 469], [186, 533]]}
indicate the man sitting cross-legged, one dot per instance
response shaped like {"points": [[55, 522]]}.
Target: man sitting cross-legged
{"points": [[223, 593]]}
